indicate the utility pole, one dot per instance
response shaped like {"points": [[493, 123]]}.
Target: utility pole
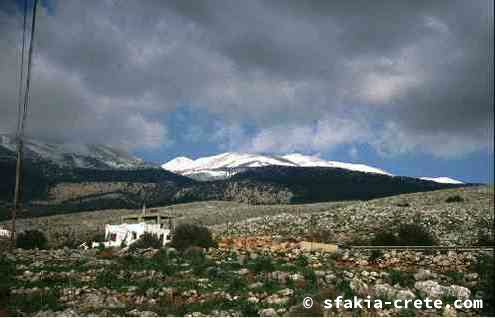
{"points": [[17, 190], [20, 128]]}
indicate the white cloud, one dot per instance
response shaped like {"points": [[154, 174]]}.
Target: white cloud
{"points": [[323, 135], [106, 71], [394, 140]]}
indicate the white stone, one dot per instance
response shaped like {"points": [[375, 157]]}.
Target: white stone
{"points": [[268, 312], [431, 289]]}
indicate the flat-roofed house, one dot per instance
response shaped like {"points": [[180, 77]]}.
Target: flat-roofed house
{"points": [[133, 226]]}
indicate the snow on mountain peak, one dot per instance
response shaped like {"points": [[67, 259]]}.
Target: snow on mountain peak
{"points": [[442, 180], [178, 164], [219, 165], [74, 155]]}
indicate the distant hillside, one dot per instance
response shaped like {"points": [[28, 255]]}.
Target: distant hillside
{"points": [[113, 188], [70, 155], [284, 185], [52, 189]]}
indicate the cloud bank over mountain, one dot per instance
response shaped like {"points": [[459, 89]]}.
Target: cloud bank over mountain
{"points": [[399, 76]]}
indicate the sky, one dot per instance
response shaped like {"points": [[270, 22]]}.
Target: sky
{"points": [[406, 86]]}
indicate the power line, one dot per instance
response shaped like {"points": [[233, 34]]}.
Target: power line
{"points": [[21, 77], [20, 132], [28, 75]]}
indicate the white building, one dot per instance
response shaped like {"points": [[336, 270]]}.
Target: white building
{"points": [[125, 234], [134, 226], [4, 233]]}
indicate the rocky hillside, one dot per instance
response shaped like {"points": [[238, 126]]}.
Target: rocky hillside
{"points": [[91, 156], [262, 265], [271, 279], [452, 223], [50, 188], [320, 184]]}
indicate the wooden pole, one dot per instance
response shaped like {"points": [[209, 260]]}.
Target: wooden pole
{"points": [[20, 133], [17, 191]]}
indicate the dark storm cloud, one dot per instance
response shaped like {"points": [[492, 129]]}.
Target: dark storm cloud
{"points": [[400, 75]]}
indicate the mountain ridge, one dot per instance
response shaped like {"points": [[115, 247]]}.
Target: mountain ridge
{"points": [[72, 155], [226, 164]]}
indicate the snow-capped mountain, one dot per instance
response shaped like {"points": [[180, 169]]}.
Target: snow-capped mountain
{"points": [[71, 155], [225, 164], [442, 180]]}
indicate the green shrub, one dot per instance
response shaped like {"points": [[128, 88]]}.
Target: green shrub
{"points": [[485, 240], [384, 239], [301, 261], [408, 235], [262, 264], [375, 255], [485, 267], [344, 288], [454, 199], [147, 240], [7, 274], [301, 311], [97, 237], [237, 285], [322, 236], [108, 278], [31, 239], [194, 254], [404, 279], [187, 235], [310, 276], [35, 302], [248, 309], [414, 234]]}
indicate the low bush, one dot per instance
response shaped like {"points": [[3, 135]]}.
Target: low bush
{"points": [[35, 302], [384, 239], [403, 204], [322, 236], [108, 278], [188, 235], [375, 255], [404, 279], [147, 240], [237, 286], [64, 238], [485, 240], [31, 239], [407, 235], [7, 274], [414, 234], [262, 264], [454, 199], [97, 237], [301, 261], [194, 254], [485, 267]]}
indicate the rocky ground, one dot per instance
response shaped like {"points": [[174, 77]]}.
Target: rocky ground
{"points": [[260, 267], [452, 223], [349, 222], [238, 281]]}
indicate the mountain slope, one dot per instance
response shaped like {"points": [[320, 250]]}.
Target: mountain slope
{"points": [[442, 180], [72, 155], [226, 164], [50, 188], [320, 184]]}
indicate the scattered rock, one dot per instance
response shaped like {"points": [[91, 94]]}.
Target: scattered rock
{"points": [[268, 312]]}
